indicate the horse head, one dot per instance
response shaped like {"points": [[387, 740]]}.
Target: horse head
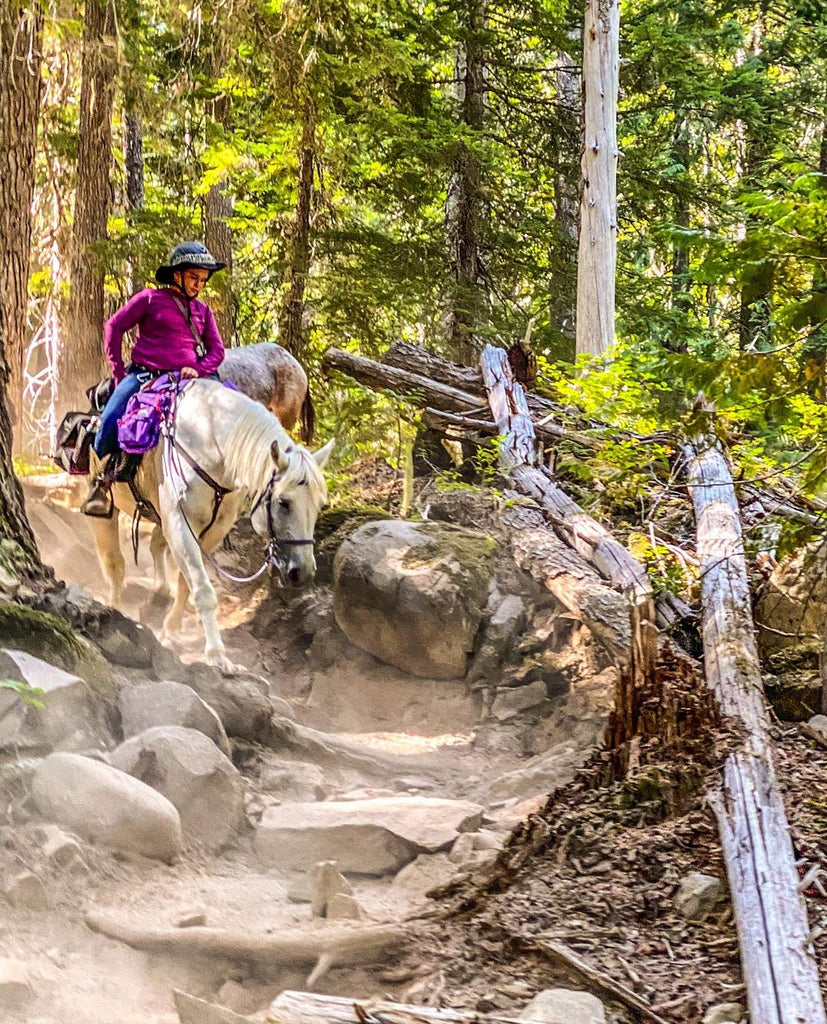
{"points": [[286, 511]]}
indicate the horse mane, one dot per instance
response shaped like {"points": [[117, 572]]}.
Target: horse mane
{"points": [[248, 458]]}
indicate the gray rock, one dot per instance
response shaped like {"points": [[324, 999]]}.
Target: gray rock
{"points": [[564, 1006], [371, 837], [27, 891], [15, 984], [342, 907], [326, 882], [413, 594], [500, 639], [62, 850], [699, 895], [193, 774], [725, 1013], [511, 701], [67, 716], [167, 703], [105, 805], [427, 871], [818, 724], [198, 1011], [541, 774], [295, 781]]}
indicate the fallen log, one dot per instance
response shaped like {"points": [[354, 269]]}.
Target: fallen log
{"points": [[573, 582], [307, 1008], [401, 382], [779, 967], [591, 540], [325, 947]]}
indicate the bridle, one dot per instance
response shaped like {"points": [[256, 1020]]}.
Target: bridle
{"points": [[272, 554]]}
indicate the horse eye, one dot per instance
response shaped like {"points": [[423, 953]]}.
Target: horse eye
{"points": [[284, 504]]}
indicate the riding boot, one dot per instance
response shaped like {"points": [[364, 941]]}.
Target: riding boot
{"points": [[99, 499]]}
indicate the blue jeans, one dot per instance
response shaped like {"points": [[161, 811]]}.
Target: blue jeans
{"points": [[106, 439]]}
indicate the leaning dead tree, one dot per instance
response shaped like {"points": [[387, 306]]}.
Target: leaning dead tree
{"points": [[779, 967]]}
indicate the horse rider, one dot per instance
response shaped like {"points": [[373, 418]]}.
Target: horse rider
{"points": [[176, 332]]}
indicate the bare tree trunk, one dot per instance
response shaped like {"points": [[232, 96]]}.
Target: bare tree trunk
{"points": [[291, 317], [465, 204], [597, 259], [20, 57], [81, 359], [566, 206], [779, 968]]}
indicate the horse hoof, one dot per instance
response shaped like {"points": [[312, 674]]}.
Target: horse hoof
{"points": [[226, 667]]}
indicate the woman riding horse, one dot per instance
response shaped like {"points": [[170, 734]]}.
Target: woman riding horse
{"points": [[175, 332]]}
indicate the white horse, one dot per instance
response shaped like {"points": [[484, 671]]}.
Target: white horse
{"points": [[241, 447]]}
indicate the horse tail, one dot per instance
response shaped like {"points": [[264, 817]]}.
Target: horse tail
{"points": [[308, 418]]}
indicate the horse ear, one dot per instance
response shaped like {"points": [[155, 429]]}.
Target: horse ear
{"points": [[323, 454], [278, 457]]}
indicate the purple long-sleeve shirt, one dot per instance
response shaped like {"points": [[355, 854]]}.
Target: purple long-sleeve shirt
{"points": [[164, 340]]}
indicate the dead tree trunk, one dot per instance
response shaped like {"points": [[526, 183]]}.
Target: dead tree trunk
{"points": [[597, 257], [779, 967], [81, 358], [576, 527], [465, 200], [20, 57], [218, 236]]}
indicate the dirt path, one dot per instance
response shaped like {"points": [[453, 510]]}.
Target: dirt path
{"points": [[434, 741]]}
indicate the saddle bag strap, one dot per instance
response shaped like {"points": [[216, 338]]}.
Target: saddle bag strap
{"points": [[200, 347]]}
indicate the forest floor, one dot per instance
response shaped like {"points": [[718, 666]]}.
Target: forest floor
{"points": [[594, 869]]}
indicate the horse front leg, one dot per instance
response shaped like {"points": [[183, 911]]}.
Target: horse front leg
{"points": [[187, 554], [108, 547], [158, 550]]}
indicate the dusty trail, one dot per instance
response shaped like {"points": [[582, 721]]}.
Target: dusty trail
{"points": [[419, 737]]}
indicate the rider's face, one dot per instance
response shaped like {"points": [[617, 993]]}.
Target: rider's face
{"points": [[192, 281]]}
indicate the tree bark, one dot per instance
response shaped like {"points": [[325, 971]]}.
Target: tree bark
{"points": [[291, 319], [779, 967], [19, 558], [81, 360], [597, 255], [465, 202], [20, 58], [134, 160], [578, 529], [218, 236]]}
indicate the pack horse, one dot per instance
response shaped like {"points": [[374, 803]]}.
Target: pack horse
{"points": [[226, 450]]}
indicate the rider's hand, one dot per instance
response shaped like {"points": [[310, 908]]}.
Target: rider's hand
{"points": [[188, 372]]}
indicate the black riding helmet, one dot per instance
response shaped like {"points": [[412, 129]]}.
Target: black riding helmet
{"points": [[188, 256]]}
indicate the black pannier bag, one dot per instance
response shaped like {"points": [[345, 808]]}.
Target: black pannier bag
{"points": [[100, 393], [74, 439]]}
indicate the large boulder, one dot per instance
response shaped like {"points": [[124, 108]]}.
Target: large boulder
{"points": [[193, 774], [413, 594], [167, 703], [42, 706], [105, 805], [369, 837]]}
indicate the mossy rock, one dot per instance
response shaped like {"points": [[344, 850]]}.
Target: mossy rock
{"points": [[413, 594], [333, 526], [53, 640]]}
